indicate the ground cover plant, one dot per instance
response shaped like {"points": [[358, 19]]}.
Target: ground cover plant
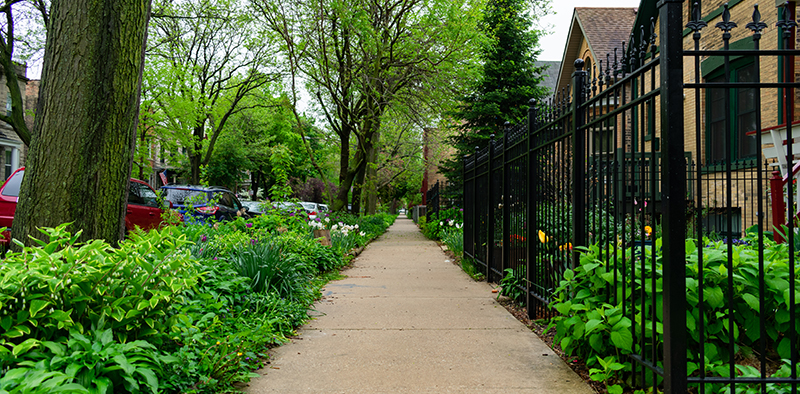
{"points": [[184, 309], [592, 327]]}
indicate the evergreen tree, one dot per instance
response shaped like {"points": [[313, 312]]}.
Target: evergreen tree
{"points": [[510, 80]]}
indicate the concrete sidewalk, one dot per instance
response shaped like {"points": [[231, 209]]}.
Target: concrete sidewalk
{"points": [[407, 321]]}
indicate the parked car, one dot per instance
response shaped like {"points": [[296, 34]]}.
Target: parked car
{"points": [[205, 203], [323, 208], [254, 208], [311, 208], [145, 209]]}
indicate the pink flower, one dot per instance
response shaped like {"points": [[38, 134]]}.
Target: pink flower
{"points": [[249, 225]]}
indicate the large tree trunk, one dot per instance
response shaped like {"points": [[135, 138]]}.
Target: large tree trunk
{"points": [[372, 174], [345, 177], [81, 153], [196, 154]]}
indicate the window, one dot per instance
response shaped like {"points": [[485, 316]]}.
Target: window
{"points": [[133, 194], [9, 158], [603, 138], [722, 143], [13, 185]]}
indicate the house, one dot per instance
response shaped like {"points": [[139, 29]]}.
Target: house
{"points": [[617, 40], [12, 149]]}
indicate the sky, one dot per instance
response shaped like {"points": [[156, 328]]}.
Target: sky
{"points": [[558, 24]]}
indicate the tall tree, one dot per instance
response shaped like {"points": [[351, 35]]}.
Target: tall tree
{"points": [[510, 79], [204, 58], [360, 57], [80, 156]]}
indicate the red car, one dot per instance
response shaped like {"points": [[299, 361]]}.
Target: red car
{"points": [[143, 207]]}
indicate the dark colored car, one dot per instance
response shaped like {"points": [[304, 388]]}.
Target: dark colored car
{"points": [[144, 209], [204, 203]]}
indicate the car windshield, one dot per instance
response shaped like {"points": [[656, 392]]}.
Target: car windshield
{"points": [[185, 196]]}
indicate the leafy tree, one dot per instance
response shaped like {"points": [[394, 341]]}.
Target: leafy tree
{"points": [[509, 81], [361, 57], [33, 16], [204, 58], [80, 156]]}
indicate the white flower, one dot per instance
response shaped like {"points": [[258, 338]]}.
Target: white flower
{"points": [[356, 226], [362, 233], [327, 220], [440, 224]]}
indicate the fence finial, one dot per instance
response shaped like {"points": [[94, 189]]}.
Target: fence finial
{"points": [[579, 64], [756, 25], [697, 23], [727, 24]]}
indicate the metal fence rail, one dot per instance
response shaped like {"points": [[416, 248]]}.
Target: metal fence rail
{"points": [[676, 207]]}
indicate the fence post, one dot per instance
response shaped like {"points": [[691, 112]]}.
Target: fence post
{"points": [[778, 205], [673, 186], [578, 160], [475, 206], [529, 204], [490, 214], [505, 202]]}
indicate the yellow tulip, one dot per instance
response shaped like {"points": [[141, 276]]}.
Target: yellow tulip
{"points": [[542, 237]]}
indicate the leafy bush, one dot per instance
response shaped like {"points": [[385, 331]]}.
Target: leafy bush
{"points": [[593, 328], [46, 291], [513, 285], [88, 364]]}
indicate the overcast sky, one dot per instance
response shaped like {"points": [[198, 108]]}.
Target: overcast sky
{"points": [[553, 44]]}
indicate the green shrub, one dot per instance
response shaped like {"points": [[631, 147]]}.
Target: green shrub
{"points": [[88, 364], [593, 328], [513, 285], [46, 291]]}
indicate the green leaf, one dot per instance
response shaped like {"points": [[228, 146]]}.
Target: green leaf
{"points": [[103, 384], [596, 342], [714, 297], [37, 305], [752, 301], [614, 389], [622, 339], [122, 361], [106, 337], [564, 307], [569, 274], [592, 324], [6, 322], [149, 377], [565, 343], [26, 345], [70, 388], [142, 305], [784, 348]]}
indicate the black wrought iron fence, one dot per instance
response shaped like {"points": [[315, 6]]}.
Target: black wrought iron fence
{"points": [[656, 173], [433, 200]]}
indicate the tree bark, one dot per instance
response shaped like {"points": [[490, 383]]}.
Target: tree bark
{"points": [[372, 174], [81, 155]]}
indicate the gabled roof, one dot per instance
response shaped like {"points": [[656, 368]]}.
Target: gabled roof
{"points": [[550, 74], [603, 28]]}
